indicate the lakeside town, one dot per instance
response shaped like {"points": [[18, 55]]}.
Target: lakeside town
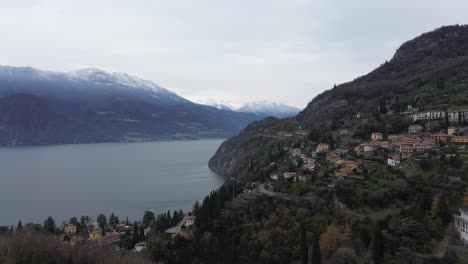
{"points": [[430, 135], [124, 236]]}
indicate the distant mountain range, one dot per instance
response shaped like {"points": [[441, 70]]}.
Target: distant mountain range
{"points": [[92, 105], [261, 108]]}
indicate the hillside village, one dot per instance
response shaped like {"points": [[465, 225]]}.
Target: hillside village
{"points": [[344, 161]]}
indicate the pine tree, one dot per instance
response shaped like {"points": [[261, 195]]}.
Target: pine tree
{"points": [[444, 210], [435, 208], [135, 234], [148, 218], [84, 220], [73, 221], [19, 228], [102, 221], [49, 225], [142, 234], [316, 254], [304, 247], [78, 228], [196, 207], [175, 218], [383, 107], [377, 243], [113, 220]]}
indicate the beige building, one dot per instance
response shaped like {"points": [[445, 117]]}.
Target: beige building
{"points": [[323, 147], [452, 130], [376, 136]]}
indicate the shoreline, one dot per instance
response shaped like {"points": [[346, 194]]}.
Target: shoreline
{"points": [[110, 142]]}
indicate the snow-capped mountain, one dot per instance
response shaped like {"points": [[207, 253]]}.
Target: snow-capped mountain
{"points": [[265, 108], [223, 105], [259, 108], [99, 76], [92, 105], [90, 77]]}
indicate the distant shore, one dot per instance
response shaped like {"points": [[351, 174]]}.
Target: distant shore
{"points": [[110, 142]]}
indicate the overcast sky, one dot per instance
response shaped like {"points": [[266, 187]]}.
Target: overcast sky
{"points": [[277, 50]]}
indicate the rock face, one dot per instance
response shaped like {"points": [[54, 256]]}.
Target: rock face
{"points": [[235, 153], [428, 72]]}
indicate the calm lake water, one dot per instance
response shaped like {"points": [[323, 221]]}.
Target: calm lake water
{"points": [[127, 179]]}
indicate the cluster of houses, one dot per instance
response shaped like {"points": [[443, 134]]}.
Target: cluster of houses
{"points": [[308, 163], [460, 115], [112, 237], [343, 167], [287, 134], [451, 137], [394, 148], [95, 234], [405, 146], [401, 146], [453, 116]]}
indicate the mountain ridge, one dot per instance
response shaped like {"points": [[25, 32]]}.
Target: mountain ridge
{"points": [[421, 74], [106, 107]]}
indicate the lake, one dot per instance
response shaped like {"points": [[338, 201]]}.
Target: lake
{"points": [[127, 179]]}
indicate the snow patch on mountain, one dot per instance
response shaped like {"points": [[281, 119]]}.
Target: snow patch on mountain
{"points": [[99, 77], [265, 108], [260, 108], [222, 105]]}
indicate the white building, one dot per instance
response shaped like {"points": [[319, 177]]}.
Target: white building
{"points": [[289, 175], [274, 177], [394, 161], [461, 225], [140, 246]]}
